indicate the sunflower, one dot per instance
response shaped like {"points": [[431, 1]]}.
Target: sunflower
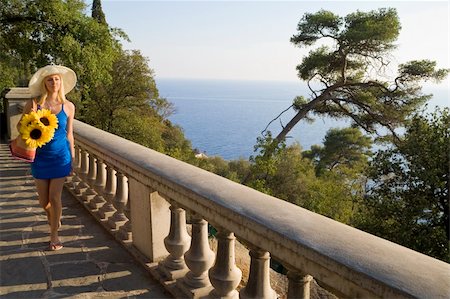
{"points": [[27, 120], [36, 134], [47, 118]]}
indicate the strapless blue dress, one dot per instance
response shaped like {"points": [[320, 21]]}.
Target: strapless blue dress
{"points": [[53, 160]]}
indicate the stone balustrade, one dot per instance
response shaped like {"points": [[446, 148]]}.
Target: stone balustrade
{"points": [[147, 210], [142, 197]]}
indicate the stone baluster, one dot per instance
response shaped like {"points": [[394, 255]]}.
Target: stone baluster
{"points": [[77, 164], [92, 173], [68, 181], [258, 285], [76, 169], [82, 174], [120, 200], [224, 275], [125, 230], [107, 210], [91, 176], [99, 186], [84, 164], [176, 243], [299, 285], [199, 258]]}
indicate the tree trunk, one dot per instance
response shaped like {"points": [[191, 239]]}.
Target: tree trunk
{"points": [[299, 116]]}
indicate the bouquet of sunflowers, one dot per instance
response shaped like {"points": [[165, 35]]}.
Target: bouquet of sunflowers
{"points": [[37, 128]]}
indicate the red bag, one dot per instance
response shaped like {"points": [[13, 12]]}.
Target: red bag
{"points": [[19, 149]]}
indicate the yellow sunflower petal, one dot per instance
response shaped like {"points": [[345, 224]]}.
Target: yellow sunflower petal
{"points": [[36, 135], [47, 118], [47, 135], [31, 143], [27, 129], [27, 120]]}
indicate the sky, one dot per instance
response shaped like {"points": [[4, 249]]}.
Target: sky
{"points": [[250, 40]]}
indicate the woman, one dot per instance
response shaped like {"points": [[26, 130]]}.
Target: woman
{"points": [[53, 161]]}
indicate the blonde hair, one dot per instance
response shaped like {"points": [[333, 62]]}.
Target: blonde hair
{"points": [[44, 91]]}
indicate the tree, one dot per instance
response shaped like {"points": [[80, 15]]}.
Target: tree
{"points": [[345, 78], [97, 12], [116, 90], [37, 33], [343, 148], [176, 145], [130, 106], [288, 175], [138, 127], [132, 87], [408, 195], [8, 74]]}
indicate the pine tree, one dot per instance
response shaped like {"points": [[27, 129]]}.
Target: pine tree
{"points": [[97, 12], [346, 78]]}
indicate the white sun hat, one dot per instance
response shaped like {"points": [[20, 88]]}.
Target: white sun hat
{"points": [[69, 78]]}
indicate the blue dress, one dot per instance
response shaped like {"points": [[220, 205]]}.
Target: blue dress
{"points": [[53, 160]]}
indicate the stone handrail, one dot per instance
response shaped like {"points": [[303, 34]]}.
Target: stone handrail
{"points": [[347, 261]]}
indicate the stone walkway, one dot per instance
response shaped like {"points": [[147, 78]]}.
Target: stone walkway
{"points": [[91, 264]]}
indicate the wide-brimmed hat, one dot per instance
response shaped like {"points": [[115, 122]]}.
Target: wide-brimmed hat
{"points": [[69, 78]]}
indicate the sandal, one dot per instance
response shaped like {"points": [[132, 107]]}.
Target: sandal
{"points": [[55, 246]]}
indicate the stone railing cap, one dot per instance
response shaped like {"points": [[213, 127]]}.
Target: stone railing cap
{"points": [[18, 93]]}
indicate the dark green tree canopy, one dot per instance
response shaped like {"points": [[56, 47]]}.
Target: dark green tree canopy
{"points": [[132, 87], [346, 147], [408, 198], [344, 72], [97, 12]]}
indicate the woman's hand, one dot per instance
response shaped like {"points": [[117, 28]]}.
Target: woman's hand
{"points": [[72, 170]]}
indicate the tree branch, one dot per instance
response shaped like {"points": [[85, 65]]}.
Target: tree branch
{"points": [[279, 115], [309, 86], [354, 117], [344, 64]]}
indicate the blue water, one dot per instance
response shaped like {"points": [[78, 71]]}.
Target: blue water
{"points": [[224, 118]]}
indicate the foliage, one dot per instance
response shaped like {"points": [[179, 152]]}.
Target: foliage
{"points": [[343, 148], [139, 128], [176, 145], [37, 33], [97, 12], [132, 87], [408, 196], [217, 165], [130, 106], [234, 170], [238, 169], [8, 75], [290, 176], [264, 166], [116, 90], [345, 72], [407, 201]]}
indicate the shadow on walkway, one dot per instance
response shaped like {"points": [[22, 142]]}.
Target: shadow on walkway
{"points": [[91, 264]]}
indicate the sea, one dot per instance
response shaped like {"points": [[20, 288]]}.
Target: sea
{"points": [[225, 117]]}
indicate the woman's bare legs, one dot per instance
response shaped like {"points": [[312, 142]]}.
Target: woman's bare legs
{"points": [[54, 195], [50, 200], [42, 189]]}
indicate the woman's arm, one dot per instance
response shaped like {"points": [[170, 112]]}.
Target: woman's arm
{"points": [[70, 116]]}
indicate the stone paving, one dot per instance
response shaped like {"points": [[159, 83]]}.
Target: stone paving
{"points": [[91, 264]]}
